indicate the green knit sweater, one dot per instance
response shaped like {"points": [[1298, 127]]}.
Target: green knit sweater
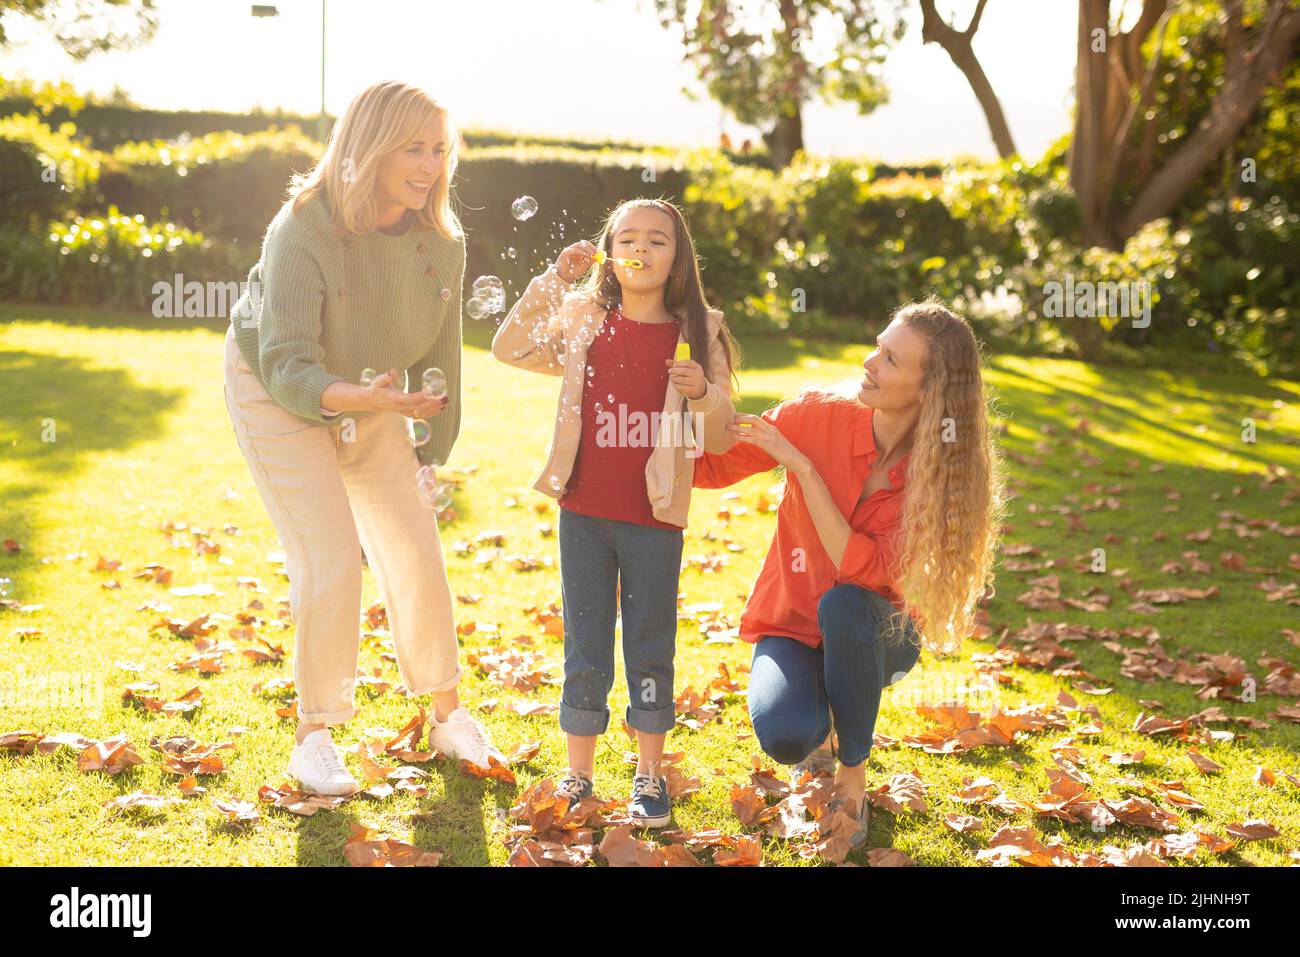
{"points": [[320, 308]]}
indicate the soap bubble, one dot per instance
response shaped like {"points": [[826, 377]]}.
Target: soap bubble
{"points": [[510, 251], [435, 382], [486, 286], [6, 586], [435, 492], [491, 291], [420, 432], [523, 208], [487, 297], [368, 376]]}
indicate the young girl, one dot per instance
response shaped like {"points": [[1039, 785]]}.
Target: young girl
{"points": [[631, 421]]}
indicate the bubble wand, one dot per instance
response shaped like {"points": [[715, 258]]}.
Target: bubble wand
{"points": [[602, 256]]}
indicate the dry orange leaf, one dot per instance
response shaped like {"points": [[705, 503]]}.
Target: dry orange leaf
{"points": [[112, 756], [748, 853], [621, 849]]}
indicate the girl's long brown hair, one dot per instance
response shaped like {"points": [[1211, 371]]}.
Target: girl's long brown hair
{"points": [[683, 295]]}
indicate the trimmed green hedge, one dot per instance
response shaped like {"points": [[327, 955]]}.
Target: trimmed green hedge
{"points": [[44, 171], [111, 261], [110, 126], [227, 184], [820, 248]]}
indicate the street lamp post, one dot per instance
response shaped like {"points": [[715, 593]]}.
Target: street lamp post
{"points": [[270, 10], [320, 121]]}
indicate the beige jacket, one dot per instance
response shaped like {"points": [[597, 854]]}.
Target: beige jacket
{"points": [[549, 330]]}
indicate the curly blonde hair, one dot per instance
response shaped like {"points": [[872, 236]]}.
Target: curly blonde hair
{"points": [[955, 500]]}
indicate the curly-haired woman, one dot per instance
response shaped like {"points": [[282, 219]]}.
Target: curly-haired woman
{"points": [[884, 538]]}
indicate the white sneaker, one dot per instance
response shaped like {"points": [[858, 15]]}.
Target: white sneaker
{"points": [[463, 737], [318, 765]]}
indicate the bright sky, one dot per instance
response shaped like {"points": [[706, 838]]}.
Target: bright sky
{"points": [[599, 68]]}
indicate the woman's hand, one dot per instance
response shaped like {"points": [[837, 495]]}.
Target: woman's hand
{"points": [[414, 405], [687, 377], [757, 431], [575, 260]]}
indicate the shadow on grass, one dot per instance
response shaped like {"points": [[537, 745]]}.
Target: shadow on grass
{"points": [[1034, 408], [452, 825], [57, 413]]}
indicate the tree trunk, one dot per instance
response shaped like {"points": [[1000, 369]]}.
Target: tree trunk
{"points": [[1248, 75], [786, 136], [1101, 96], [785, 139], [1114, 88], [958, 46]]}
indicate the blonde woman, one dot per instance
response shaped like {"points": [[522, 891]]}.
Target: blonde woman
{"points": [[362, 269], [885, 534]]}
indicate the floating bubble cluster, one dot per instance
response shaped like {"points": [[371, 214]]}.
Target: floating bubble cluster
{"points": [[433, 491], [487, 297]]}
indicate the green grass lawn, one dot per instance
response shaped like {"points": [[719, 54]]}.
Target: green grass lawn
{"points": [[143, 439]]}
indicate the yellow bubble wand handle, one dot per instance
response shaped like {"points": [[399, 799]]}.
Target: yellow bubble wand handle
{"points": [[602, 256]]}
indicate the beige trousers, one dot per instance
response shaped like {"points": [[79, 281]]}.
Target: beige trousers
{"points": [[328, 498]]}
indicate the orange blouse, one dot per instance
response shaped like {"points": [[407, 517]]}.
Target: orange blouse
{"points": [[835, 434]]}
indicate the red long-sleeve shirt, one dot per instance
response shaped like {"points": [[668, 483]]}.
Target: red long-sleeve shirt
{"points": [[626, 382], [835, 434]]}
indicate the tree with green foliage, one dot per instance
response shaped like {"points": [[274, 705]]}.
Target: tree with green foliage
{"points": [[1161, 104], [83, 27], [762, 60], [1124, 166]]}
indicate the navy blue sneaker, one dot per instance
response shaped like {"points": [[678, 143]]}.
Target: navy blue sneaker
{"points": [[650, 805], [573, 787]]}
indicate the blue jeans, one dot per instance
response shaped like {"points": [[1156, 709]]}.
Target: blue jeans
{"points": [[595, 554], [794, 689]]}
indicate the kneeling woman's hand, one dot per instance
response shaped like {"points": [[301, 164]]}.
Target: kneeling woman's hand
{"points": [[753, 430], [415, 405]]}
